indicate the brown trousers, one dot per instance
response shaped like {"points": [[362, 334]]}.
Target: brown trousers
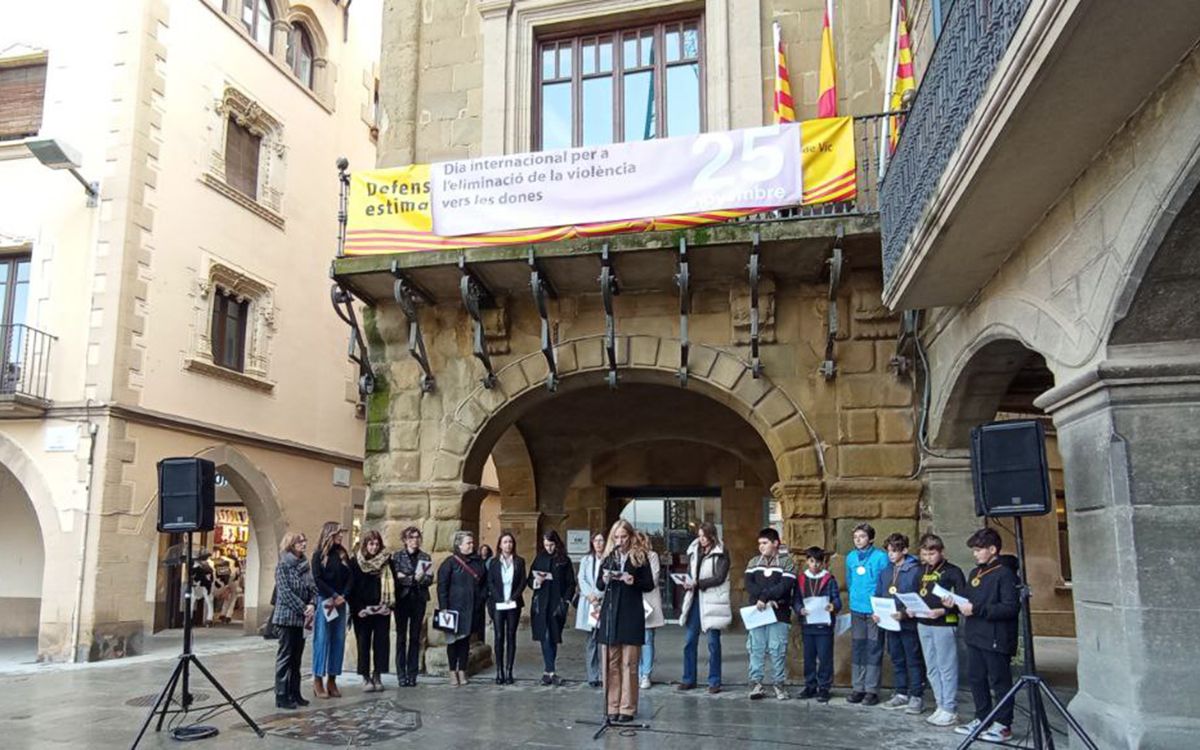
{"points": [[621, 678]]}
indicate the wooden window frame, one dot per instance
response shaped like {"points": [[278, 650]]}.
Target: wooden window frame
{"points": [[616, 33], [222, 301], [232, 178], [252, 28], [298, 33], [41, 64]]}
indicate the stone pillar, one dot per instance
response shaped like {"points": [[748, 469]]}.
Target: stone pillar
{"points": [[1129, 433], [950, 498], [280, 31], [524, 526]]}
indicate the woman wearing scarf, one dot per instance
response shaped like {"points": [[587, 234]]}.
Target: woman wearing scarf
{"points": [[372, 595], [294, 596], [460, 583]]}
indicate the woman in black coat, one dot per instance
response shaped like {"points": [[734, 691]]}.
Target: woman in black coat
{"points": [[552, 578], [372, 594], [505, 587], [624, 576], [460, 582]]}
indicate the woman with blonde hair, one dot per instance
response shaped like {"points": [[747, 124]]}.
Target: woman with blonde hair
{"points": [[333, 577], [294, 594], [624, 578]]}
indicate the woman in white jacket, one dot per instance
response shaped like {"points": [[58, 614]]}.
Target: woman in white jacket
{"points": [[706, 605], [654, 613], [589, 600]]}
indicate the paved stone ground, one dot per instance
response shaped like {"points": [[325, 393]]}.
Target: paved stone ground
{"points": [[90, 706]]}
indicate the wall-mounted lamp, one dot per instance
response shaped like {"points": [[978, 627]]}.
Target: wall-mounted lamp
{"points": [[58, 155]]}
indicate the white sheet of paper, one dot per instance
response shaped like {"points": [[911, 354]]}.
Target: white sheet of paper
{"points": [[646, 607], [843, 624], [423, 568], [753, 618], [331, 614], [682, 579], [501, 606], [817, 614], [915, 605], [593, 617], [884, 607], [942, 593]]}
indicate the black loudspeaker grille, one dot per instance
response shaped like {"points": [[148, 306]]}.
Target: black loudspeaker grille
{"points": [[186, 495], [1008, 465]]}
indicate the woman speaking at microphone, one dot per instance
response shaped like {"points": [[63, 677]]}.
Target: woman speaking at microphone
{"points": [[624, 577]]}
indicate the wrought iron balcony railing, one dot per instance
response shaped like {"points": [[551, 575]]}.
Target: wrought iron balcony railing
{"points": [[974, 38], [25, 367]]}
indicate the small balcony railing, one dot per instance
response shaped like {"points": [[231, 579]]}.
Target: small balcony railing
{"points": [[974, 38], [25, 367]]}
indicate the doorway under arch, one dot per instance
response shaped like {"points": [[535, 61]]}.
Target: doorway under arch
{"points": [[22, 558]]}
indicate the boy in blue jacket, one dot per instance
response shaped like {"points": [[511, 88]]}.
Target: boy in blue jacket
{"points": [[817, 637], [863, 564], [903, 576]]}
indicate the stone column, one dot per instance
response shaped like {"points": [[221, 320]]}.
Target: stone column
{"points": [[280, 31], [1129, 433], [524, 526], [950, 498]]}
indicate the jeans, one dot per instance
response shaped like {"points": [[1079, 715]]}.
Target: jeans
{"points": [[940, 647], [905, 649], [371, 632], [768, 640], [646, 663], [866, 653], [410, 614], [988, 669], [818, 660], [549, 653], [690, 643], [287, 662], [329, 641], [592, 656]]}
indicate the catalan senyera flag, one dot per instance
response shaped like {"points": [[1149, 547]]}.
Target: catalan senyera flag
{"points": [[905, 77], [829, 168], [785, 110], [827, 73]]}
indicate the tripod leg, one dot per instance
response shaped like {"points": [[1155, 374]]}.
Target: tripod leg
{"points": [[1009, 697], [1075, 727], [164, 695], [1037, 716], [225, 694]]}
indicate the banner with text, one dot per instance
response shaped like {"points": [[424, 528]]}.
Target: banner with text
{"points": [[734, 169], [394, 210]]}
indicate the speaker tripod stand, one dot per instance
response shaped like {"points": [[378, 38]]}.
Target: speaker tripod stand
{"points": [[1033, 685], [179, 678]]}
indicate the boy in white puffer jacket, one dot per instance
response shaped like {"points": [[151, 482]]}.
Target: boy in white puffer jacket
{"points": [[706, 606]]}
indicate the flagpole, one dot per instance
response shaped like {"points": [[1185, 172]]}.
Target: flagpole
{"points": [[889, 86]]}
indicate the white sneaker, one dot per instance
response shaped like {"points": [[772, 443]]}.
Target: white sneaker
{"points": [[965, 729], [645, 683], [943, 718], [781, 692], [897, 701], [996, 733]]}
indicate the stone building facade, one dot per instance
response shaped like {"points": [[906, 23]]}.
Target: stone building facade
{"points": [[185, 312], [1048, 232]]}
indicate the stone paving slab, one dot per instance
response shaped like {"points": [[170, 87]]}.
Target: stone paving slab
{"points": [[89, 708]]}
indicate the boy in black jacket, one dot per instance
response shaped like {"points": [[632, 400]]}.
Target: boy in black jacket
{"points": [[770, 582], [817, 637], [990, 630]]}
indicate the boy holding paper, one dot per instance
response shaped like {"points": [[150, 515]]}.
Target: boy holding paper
{"points": [[770, 580], [903, 576], [817, 602], [939, 643]]}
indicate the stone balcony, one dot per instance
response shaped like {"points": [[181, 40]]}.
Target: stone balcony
{"points": [[1018, 98]]}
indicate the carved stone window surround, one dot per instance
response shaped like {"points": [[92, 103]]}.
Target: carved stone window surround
{"points": [[249, 114], [260, 325]]}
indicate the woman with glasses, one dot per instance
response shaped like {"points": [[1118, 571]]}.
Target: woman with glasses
{"points": [[294, 595], [413, 572]]}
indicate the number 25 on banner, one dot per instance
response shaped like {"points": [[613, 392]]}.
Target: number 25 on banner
{"points": [[760, 158]]}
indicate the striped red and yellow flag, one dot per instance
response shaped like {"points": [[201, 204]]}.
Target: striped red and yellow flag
{"points": [[827, 74], [785, 110], [905, 77]]}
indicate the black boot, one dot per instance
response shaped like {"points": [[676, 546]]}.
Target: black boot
{"points": [[508, 666]]}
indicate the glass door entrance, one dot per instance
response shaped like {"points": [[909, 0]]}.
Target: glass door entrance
{"points": [[670, 518]]}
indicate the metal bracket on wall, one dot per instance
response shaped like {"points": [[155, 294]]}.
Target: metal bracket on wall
{"points": [[475, 297], [542, 288], [756, 365], [829, 366], [343, 305], [407, 294], [683, 281], [609, 287], [343, 166]]}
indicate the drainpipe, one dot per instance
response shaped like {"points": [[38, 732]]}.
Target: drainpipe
{"points": [[76, 617]]}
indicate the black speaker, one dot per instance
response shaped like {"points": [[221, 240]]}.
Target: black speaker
{"points": [[186, 494], [1008, 465]]}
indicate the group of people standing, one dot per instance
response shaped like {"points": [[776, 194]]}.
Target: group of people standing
{"points": [[617, 600]]}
